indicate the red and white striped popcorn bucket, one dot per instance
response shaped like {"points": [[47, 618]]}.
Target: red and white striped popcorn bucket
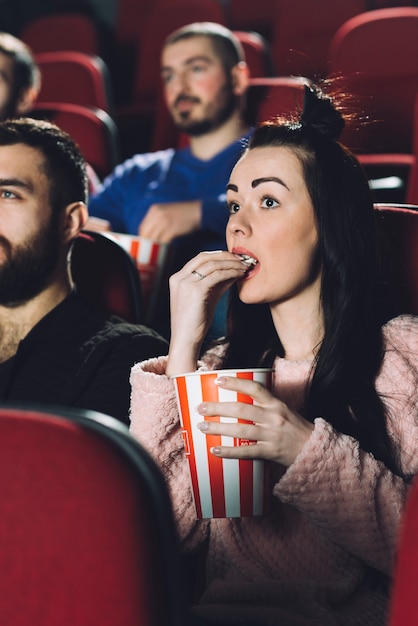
{"points": [[152, 259], [221, 487]]}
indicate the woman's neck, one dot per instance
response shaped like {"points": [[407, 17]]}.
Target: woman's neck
{"points": [[300, 328]]}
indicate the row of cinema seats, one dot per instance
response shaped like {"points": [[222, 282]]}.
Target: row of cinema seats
{"points": [[373, 53], [298, 35], [105, 273], [71, 557]]}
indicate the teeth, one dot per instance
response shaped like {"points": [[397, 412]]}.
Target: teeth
{"points": [[248, 260]]}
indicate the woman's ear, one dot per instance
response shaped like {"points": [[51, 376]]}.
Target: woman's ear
{"points": [[75, 218], [240, 76]]}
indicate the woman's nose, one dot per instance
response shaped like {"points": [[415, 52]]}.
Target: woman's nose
{"points": [[238, 224]]}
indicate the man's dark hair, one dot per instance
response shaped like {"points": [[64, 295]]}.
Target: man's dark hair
{"points": [[26, 73], [225, 44], [63, 163]]}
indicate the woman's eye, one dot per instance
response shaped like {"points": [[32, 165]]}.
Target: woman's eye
{"points": [[233, 207], [269, 203]]}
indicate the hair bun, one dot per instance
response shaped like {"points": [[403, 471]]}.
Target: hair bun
{"points": [[319, 114]]}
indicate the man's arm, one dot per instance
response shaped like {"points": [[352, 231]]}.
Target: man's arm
{"points": [[107, 370], [166, 221]]}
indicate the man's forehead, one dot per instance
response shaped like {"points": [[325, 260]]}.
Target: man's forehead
{"points": [[184, 50], [21, 160]]}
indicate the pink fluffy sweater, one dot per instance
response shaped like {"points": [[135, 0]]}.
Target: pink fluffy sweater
{"points": [[334, 514]]}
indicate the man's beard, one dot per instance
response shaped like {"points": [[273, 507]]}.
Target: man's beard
{"points": [[27, 268], [228, 103]]}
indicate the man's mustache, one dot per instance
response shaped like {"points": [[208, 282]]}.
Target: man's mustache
{"points": [[182, 98]]}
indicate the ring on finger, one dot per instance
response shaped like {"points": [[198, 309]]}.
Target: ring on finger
{"points": [[198, 274]]}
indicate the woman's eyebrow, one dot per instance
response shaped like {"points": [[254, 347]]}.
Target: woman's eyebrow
{"points": [[232, 187], [269, 179]]}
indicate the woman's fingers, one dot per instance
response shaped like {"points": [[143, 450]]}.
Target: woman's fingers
{"points": [[217, 266], [271, 430]]}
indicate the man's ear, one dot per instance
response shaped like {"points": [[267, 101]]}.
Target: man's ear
{"points": [[75, 219], [26, 100], [240, 75]]}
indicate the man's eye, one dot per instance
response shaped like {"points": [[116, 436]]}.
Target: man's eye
{"points": [[269, 203], [6, 194]]}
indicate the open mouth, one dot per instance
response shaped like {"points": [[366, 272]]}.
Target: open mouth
{"points": [[248, 260]]}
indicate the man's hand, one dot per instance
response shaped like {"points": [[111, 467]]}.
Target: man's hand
{"points": [[164, 222]]}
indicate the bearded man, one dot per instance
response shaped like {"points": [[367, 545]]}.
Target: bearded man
{"points": [[55, 347]]}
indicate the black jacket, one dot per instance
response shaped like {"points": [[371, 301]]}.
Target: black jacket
{"points": [[79, 355]]}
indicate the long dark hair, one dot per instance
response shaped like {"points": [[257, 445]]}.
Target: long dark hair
{"points": [[342, 388]]}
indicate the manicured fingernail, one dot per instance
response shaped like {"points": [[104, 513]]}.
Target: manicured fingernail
{"points": [[202, 408], [216, 451], [220, 381], [202, 426]]}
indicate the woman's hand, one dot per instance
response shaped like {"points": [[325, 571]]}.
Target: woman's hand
{"points": [[278, 433], [194, 293]]}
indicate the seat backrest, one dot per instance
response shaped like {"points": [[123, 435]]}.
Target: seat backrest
{"points": [[271, 96], [75, 77], [257, 53], [376, 54], [303, 32], [87, 532], [61, 31], [403, 596], [257, 16], [105, 274], [398, 231], [93, 129], [412, 190]]}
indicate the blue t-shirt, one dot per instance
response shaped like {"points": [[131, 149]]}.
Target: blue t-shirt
{"points": [[170, 176]]}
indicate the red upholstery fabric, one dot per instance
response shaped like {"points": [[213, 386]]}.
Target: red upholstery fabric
{"points": [[86, 531], [75, 77], [271, 96], [412, 192], [257, 53], [376, 53], [258, 16], [105, 274], [403, 611], [398, 226], [303, 32], [93, 129], [61, 31]]}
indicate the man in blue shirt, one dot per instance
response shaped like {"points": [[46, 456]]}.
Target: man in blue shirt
{"points": [[178, 195], [171, 193]]}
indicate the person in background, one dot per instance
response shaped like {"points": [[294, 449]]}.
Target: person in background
{"points": [[178, 195], [54, 346], [339, 429], [20, 77]]}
